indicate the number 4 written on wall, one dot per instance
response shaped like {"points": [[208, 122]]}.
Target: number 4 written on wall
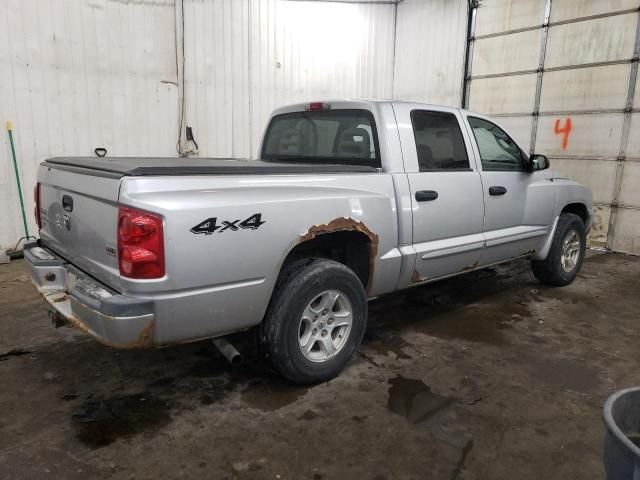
{"points": [[565, 131]]}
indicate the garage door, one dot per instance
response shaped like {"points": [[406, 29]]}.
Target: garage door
{"points": [[561, 74]]}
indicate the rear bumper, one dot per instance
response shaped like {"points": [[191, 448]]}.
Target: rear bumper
{"points": [[80, 301]]}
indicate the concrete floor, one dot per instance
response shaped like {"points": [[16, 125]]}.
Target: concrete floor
{"points": [[485, 376]]}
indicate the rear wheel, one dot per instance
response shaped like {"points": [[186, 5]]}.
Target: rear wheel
{"points": [[315, 321], [566, 253]]}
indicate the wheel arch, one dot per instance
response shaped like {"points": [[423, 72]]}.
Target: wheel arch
{"points": [[576, 208], [579, 209], [343, 239]]}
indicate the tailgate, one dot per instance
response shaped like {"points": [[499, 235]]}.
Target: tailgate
{"points": [[79, 214]]}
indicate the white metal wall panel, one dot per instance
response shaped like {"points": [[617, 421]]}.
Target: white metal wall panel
{"points": [[600, 228], [583, 89], [430, 49], [591, 41], [570, 9], [78, 75], [633, 145], [512, 94], [600, 174], [217, 76], [591, 135], [627, 234], [304, 51], [629, 192], [507, 53], [497, 16]]}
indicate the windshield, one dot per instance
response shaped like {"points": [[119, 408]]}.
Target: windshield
{"points": [[323, 136]]}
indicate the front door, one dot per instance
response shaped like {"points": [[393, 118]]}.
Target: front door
{"points": [[446, 191], [519, 204]]}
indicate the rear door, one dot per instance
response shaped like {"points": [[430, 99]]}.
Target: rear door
{"points": [[446, 191], [519, 204], [79, 215]]}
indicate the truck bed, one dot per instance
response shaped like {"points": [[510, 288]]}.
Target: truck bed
{"points": [[146, 166]]}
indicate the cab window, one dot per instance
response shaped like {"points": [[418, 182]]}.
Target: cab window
{"points": [[324, 136], [497, 150], [439, 141]]}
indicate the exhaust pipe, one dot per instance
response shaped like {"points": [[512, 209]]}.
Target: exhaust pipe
{"points": [[229, 351]]}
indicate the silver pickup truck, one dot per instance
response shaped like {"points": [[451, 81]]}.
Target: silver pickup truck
{"points": [[350, 200]]}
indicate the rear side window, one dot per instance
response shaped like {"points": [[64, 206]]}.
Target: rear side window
{"points": [[323, 136], [439, 141], [497, 150]]}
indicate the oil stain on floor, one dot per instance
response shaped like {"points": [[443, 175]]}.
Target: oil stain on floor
{"points": [[98, 423]]}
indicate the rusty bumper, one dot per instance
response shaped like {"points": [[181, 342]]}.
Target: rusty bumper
{"points": [[77, 300]]}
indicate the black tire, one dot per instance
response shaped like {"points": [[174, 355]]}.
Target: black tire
{"points": [[550, 271], [299, 285]]}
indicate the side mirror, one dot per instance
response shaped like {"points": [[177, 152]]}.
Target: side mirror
{"points": [[538, 162]]}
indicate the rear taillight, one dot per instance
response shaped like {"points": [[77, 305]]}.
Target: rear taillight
{"points": [[36, 202], [140, 244]]}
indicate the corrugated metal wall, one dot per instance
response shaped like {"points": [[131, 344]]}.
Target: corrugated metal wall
{"points": [[75, 75], [80, 74], [245, 57], [562, 74], [430, 43]]}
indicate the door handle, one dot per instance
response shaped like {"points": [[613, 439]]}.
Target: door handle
{"points": [[426, 195], [497, 190], [67, 203]]}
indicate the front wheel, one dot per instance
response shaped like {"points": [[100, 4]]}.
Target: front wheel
{"points": [[566, 253], [315, 321]]}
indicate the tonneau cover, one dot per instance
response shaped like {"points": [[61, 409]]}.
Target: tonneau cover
{"points": [[141, 166]]}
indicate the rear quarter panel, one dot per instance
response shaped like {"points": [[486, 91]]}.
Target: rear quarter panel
{"points": [[222, 282]]}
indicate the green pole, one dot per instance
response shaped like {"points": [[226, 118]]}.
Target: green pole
{"points": [[15, 168]]}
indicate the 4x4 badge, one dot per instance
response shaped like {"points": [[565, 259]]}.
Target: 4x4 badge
{"points": [[210, 225]]}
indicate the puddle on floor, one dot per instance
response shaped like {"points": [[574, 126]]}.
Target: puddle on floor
{"points": [[98, 423], [414, 400], [271, 394]]}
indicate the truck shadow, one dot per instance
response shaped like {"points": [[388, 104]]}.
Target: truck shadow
{"points": [[478, 306]]}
